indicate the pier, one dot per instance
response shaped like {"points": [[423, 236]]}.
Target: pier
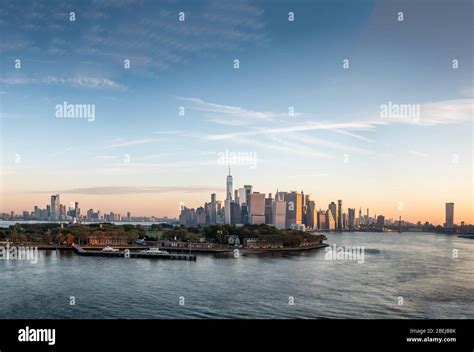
{"points": [[132, 254]]}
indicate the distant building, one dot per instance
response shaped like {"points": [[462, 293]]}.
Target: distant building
{"points": [[191, 217], [227, 211], [294, 208], [311, 214], [257, 208], [200, 216], [255, 243], [268, 209], [279, 212], [330, 220], [248, 200], [62, 211], [244, 213], [380, 222], [207, 209], [322, 220], [242, 199], [233, 239], [333, 210], [55, 205], [351, 218], [449, 224], [235, 214], [213, 215], [229, 187], [99, 240], [339, 215], [77, 210]]}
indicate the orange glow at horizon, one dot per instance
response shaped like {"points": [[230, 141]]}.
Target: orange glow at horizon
{"points": [[168, 204]]}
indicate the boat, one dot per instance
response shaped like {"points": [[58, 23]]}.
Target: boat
{"points": [[154, 251], [109, 249]]}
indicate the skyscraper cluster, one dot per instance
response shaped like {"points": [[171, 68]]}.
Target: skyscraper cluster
{"points": [[293, 209], [55, 211]]}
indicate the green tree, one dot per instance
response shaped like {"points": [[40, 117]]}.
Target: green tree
{"points": [[47, 237]]}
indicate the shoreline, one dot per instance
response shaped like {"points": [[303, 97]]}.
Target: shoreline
{"points": [[289, 249], [196, 250]]}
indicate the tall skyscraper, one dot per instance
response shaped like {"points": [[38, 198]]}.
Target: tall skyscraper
{"points": [[339, 215], [332, 213], [248, 191], [244, 214], [330, 220], [311, 214], [257, 208], [55, 207], [449, 224], [248, 201], [303, 207], [227, 211], [380, 222], [37, 212], [213, 215], [229, 187], [220, 213], [235, 213], [351, 218], [268, 209], [294, 208], [279, 212], [77, 210], [242, 196], [322, 220]]}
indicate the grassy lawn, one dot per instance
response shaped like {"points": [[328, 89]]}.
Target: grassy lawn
{"points": [[155, 234]]}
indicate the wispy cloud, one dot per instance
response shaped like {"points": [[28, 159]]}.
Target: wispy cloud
{"points": [[307, 126], [125, 142], [446, 112], [236, 114], [329, 144], [354, 135], [124, 190], [78, 81], [169, 132]]}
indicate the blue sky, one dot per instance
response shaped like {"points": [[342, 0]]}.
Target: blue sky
{"points": [[139, 155]]}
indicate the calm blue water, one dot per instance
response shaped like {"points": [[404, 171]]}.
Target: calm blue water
{"points": [[418, 267]]}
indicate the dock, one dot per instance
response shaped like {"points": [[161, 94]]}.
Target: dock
{"points": [[132, 254]]}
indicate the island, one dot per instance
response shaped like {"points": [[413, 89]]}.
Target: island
{"points": [[210, 238]]}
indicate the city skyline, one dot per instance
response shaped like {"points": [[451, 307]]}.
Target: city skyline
{"points": [[54, 208], [308, 105]]}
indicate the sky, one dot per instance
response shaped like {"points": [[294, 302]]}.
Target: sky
{"points": [[295, 114]]}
